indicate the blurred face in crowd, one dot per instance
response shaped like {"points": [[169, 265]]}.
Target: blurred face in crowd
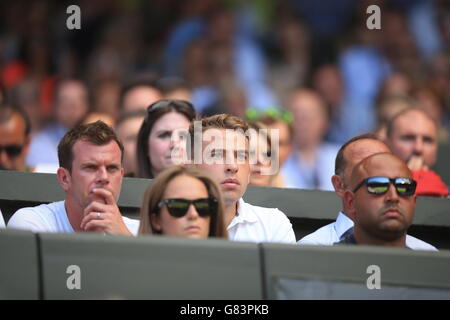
{"points": [[261, 152], [381, 216], [166, 140], [310, 118], [285, 140], [140, 98], [228, 152], [71, 103], [14, 145], [191, 225], [127, 132], [93, 167], [328, 82], [414, 137]]}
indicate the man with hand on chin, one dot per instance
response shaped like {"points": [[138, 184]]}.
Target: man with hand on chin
{"points": [[412, 136], [91, 172]]}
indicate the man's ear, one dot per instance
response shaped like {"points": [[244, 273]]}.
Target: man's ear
{"points": [[155, 223], [349, 203], [64, 178], [338, 185]]}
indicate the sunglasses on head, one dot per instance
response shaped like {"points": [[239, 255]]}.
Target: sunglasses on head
{"points": [[12, 150], [380, 185], [164, 103], [178, 208]]}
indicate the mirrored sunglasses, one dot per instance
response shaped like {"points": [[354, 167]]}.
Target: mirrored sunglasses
{"points": [[380, 185]]}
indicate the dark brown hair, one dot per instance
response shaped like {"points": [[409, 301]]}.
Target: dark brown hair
{"points": [[154, 112], [98, 133]]}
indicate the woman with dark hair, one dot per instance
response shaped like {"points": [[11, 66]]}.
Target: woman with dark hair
{"points": [[183, 202], [161, 135]]}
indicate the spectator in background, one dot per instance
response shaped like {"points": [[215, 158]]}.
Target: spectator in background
{"points": [[226, 158], [276, 119], [106, 98], [91, 175], [261, 156], [173, 88], [388, 107], [221, 54], [396, 83], [412, 136], [281, 121], [138, 95], [291, 59], [232, 100], [183, 202], [127, 129], [429, 101], [14, 138], [161, 136], [327, 81], [350, 154], [381, 202], [71, 106], [311, 163]]}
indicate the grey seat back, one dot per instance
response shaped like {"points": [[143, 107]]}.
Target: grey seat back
{"points": [[355, 272], [114, 267], [19, 265]]}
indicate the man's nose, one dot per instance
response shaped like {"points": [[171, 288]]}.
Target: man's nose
{"points": [[231, 167], [418, 146], [391, 194], [102, 175]]}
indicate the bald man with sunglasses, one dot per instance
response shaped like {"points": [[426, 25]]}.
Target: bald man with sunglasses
{"points": [[381, 201]]}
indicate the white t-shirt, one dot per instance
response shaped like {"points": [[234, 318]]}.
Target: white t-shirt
{"points": [[52, 217], [2, 221], [332, 233], [258, 224]]}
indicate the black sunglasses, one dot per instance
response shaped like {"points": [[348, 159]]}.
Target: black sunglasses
{"points": [[380, 185], [12, 150], [164, 103], [179, 207]]}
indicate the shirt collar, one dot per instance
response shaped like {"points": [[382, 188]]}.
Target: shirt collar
{"points": [[343, 223], [244, 214]]}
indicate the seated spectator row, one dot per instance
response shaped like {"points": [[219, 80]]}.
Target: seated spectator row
{"points": [[306, 209], [92, 266]]}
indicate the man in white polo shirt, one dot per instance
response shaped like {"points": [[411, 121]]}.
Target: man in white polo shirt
{"points": [[225, 155], [90, 173], [349, 155]]}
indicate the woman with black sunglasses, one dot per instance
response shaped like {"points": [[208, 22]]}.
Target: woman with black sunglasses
{"points": [[160, 137], [183, 202]]}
